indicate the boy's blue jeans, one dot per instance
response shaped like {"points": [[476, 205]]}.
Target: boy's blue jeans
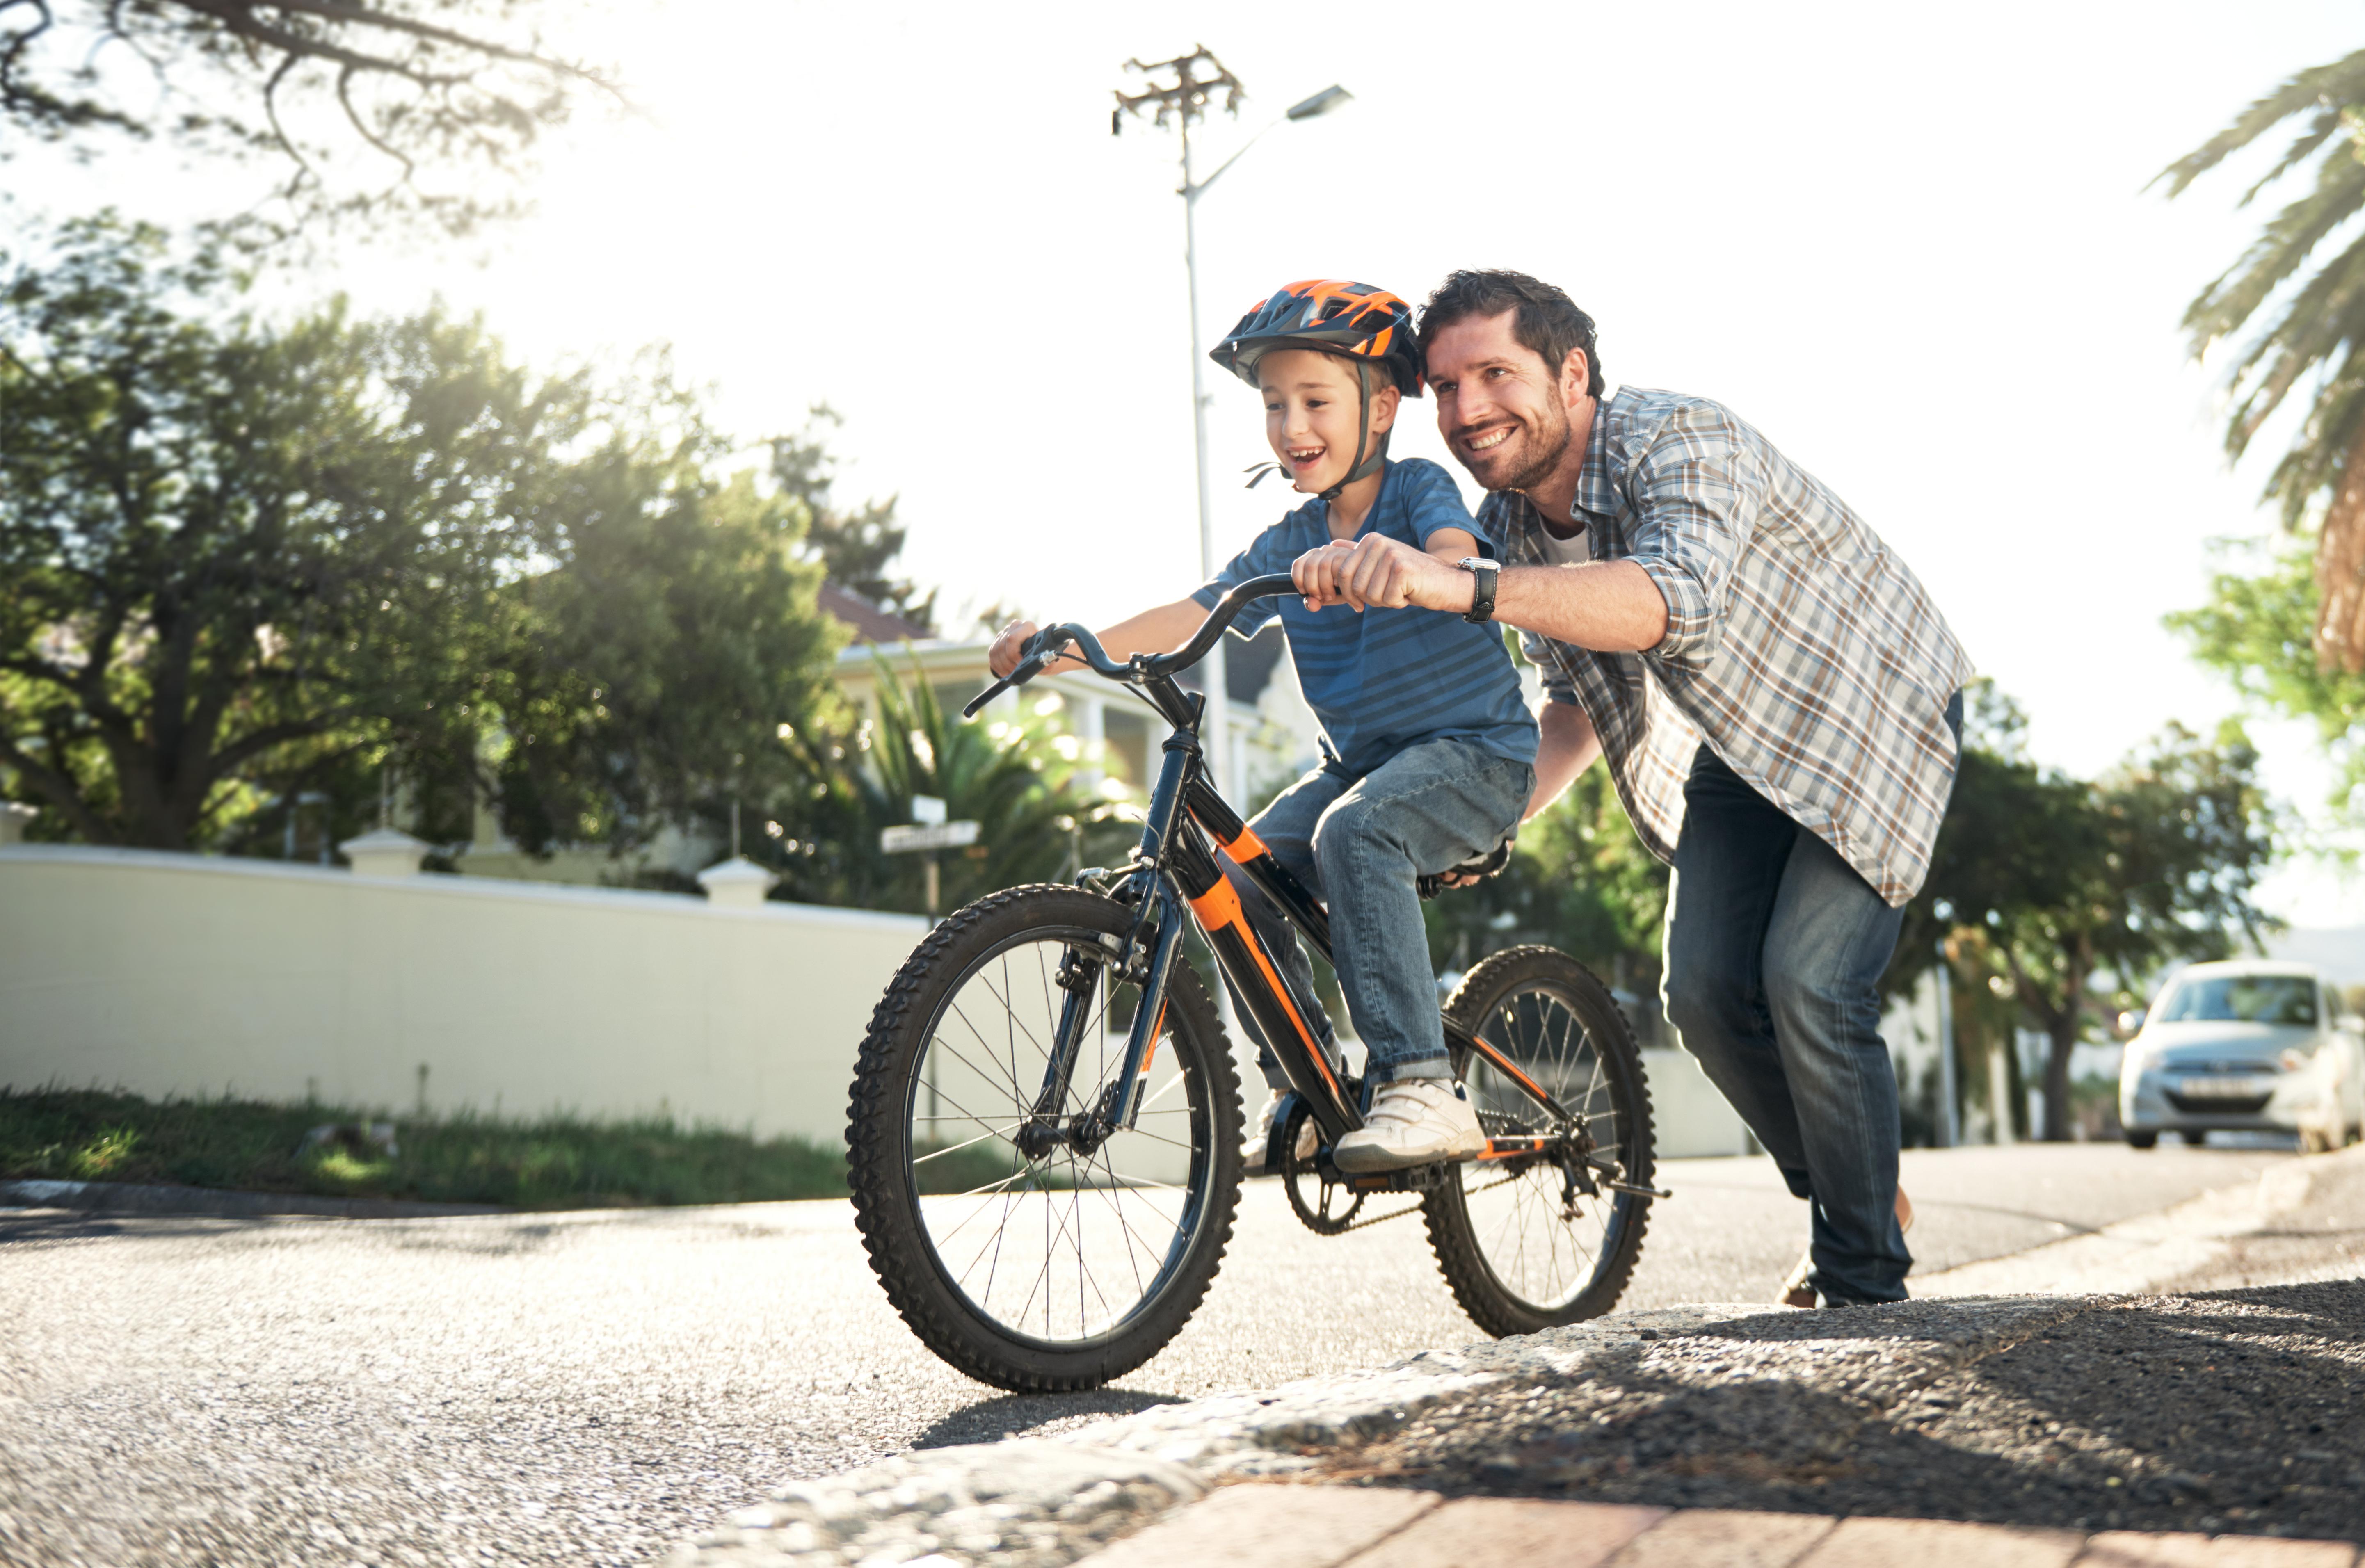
{"points": [[1775, 948], [1358, 844]]}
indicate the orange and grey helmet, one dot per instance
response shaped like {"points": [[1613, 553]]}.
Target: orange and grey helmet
{"points": [[1335, 316], [1369, 328]]}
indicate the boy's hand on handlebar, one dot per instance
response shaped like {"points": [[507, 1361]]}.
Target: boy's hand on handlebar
{"points": [[1318, 574], [1010, 647]]}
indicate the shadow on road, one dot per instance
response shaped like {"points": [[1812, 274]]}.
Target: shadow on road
{"points": [[2231, 1411], [1011, 1415]]}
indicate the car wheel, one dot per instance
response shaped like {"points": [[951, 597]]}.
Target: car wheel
{"points": [[2194, 1139], [2143, 1140]]}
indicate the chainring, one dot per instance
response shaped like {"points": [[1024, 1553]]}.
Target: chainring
{"points": [[1326, 1208]]}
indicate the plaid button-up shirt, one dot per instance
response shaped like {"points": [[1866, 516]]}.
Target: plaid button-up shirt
{"points": [[1798, 644]]}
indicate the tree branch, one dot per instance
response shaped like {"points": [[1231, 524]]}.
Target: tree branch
{"points": [[344, 97], [242, 21], [58, 789], [362, 15]]}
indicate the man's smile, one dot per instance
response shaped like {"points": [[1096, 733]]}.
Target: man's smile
{"points": [[1487, 440]]}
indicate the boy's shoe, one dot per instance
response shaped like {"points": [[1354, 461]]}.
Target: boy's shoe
{"points": [[1260, 1138], [1413, 1121]]}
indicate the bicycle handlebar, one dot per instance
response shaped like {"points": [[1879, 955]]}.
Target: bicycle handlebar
{"points": [[1052, 640]]}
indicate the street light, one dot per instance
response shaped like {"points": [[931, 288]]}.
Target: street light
{"points": [[1199, 76]]}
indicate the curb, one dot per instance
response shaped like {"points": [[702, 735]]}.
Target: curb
{"points": [[129, 1198], [1265, 1434], [1027, 1502], [2148, 1252], [1045, 1502]]}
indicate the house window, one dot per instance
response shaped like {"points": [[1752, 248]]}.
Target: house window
{"points": [[1127, 739]]}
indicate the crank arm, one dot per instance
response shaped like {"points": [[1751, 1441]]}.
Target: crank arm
{"points": [[1609, 1169]]}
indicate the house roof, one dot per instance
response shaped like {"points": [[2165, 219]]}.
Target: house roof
{"points": [[870, 624]]}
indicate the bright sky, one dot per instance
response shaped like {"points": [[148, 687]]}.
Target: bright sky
{"points": [[1911, 244]]}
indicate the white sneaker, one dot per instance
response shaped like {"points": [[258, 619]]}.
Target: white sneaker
{"points": [[1260, 1138], [1413, 1121]]}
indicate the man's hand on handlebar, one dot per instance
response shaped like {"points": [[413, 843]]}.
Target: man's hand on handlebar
{"points": [[1377, 571]]}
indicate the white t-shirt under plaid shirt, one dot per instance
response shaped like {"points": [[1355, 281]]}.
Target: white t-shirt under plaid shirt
{"points": [[1799, 645]]}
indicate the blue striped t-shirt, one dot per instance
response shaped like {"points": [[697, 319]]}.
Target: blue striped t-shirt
{"points": [[1386, 679]]}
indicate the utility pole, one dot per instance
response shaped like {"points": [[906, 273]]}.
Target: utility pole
{"points": [[1196, 81]]}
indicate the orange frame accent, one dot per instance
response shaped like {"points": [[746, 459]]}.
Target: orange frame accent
{"points": [[1248, 847], [1219, 907], [1155, 1030]]}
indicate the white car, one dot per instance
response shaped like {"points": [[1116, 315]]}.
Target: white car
{"points": [[2245, 1045]]}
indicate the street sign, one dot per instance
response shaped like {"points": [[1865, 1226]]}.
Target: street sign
{"points": [[924, 836], [928, 809]]}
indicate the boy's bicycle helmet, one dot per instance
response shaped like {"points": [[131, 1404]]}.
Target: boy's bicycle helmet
{"points": [[1333, 315], [1369, 328]]}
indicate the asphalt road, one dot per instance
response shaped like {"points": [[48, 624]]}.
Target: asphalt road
{"points": [[588, 1388]]}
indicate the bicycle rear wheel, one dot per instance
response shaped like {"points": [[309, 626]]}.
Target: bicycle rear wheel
{"points": [[1521, 1250], [1072, 1267]]}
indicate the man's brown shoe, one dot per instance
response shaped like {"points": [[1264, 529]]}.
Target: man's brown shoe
{"points": [[1797, 1293]]}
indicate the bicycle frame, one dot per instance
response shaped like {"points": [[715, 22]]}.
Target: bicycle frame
{"points": [[1175, 866]]}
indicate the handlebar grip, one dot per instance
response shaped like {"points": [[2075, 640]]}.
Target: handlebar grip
{"points": [[1028, 668], [971, 708]]}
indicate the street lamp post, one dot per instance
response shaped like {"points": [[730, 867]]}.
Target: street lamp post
{"points": [[1199, 77]]}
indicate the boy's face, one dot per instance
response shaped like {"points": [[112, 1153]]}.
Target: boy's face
{"points": [[1313, 408]]}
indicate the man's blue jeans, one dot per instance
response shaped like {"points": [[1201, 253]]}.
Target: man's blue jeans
{"points": [[1357, 844], [1775, 948]]}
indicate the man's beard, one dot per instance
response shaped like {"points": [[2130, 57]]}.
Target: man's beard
{"points": [[1551, 445]]}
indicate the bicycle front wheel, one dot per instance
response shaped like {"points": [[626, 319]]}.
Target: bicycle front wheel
{"points": [[1522, 1245], [1069, 1266]]}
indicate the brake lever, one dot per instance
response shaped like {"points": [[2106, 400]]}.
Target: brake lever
{"points": [[1028, 668]]}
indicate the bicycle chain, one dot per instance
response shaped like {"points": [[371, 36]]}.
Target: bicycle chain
{"points": [[1415, 1208]]}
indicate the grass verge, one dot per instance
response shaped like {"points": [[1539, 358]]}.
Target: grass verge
{"points": [[550, 1163]]}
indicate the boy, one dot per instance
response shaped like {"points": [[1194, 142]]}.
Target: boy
{"points": [[1427, 750]]}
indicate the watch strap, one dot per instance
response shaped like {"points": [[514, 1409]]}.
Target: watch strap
{"points": [[1482, 591]]}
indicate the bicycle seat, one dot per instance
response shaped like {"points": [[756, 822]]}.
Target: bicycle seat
{"points": [[1486, 865]]}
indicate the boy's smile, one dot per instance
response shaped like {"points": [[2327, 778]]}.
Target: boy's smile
{"points": [[1313, 415]]}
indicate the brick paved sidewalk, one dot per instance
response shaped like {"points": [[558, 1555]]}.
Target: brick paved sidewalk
{"points": [[1279, 1526]]}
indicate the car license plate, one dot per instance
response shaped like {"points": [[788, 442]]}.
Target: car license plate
{"points": [[2216, 1088]]}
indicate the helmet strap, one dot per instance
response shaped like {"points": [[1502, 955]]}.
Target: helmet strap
{"points": [[1366, 463]]}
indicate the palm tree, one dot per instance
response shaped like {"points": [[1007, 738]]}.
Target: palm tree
{"points": [[2313, 328], [1034, 815]]}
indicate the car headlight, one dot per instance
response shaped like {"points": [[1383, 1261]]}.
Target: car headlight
{"points": [[2295, 1061]]}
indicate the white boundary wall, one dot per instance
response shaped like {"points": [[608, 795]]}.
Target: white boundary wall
{"points": [[184, 974]]}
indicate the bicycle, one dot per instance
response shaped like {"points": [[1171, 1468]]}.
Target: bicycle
{"points": [[1044, 1122]]}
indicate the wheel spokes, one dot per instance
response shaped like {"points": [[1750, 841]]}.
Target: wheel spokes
{"points": [[1069, 1245]]}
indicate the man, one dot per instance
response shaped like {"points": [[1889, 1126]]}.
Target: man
{"points": [[1776, 698]]}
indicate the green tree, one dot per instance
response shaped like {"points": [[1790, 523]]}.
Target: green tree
{"points": [[2038, 882], [325, 88], [858, 549], [852, 781], [242, 560], [2257, 629], [1578, 879], [2311, 323]]}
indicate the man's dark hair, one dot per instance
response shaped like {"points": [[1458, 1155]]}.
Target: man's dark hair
{"points": [[1548, 322]]}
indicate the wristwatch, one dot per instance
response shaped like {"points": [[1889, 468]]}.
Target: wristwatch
{"points": [[1481, 596]]}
